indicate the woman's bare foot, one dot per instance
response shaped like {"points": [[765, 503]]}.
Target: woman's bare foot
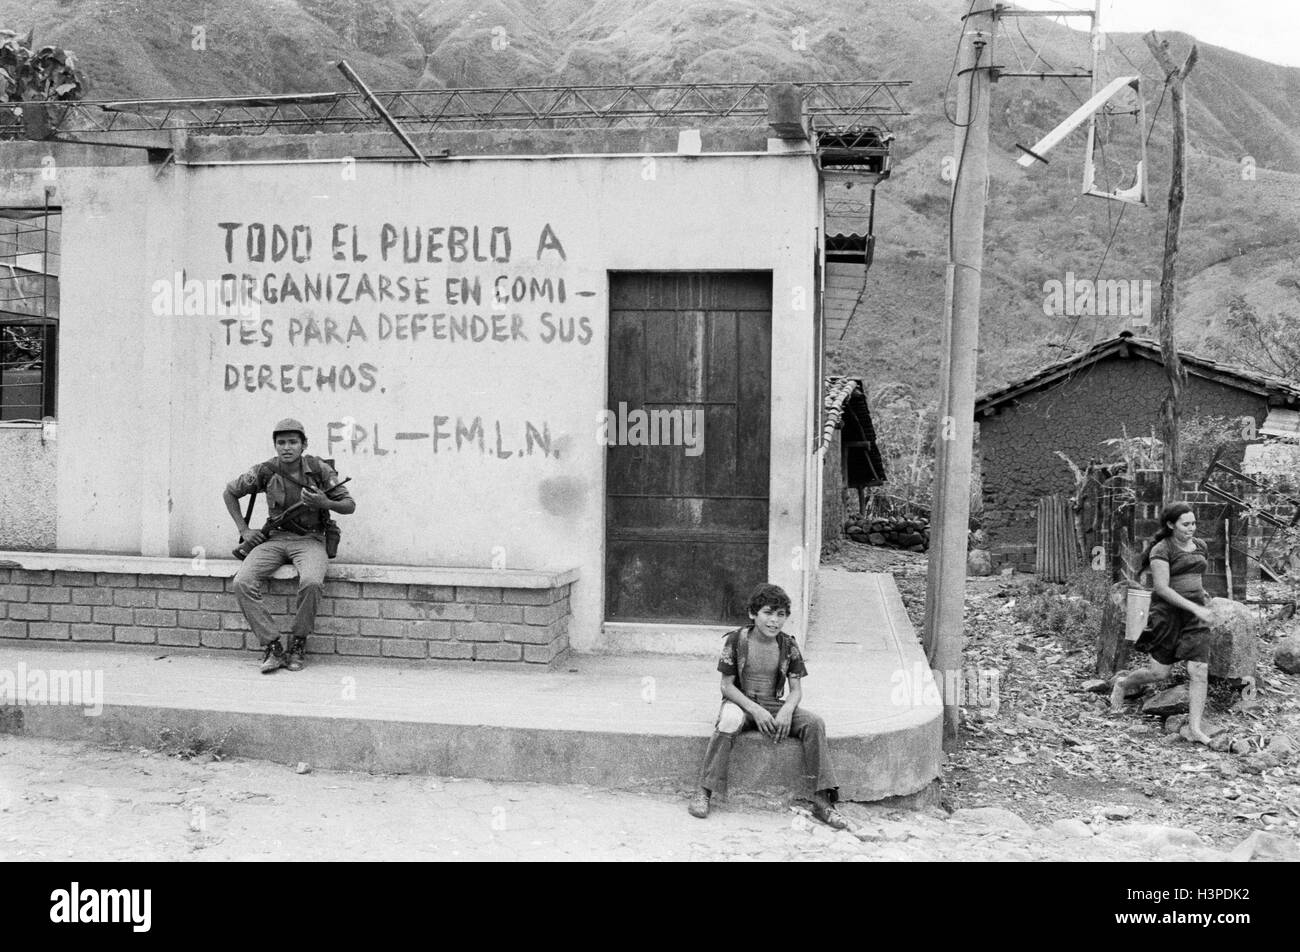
{"points": [[1117, 696], [1187, 732]]}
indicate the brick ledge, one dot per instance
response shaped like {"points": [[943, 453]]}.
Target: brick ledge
{"points": [[342, 571]]}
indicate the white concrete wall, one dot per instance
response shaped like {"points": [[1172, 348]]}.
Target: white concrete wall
{"points": [[151, 428]]}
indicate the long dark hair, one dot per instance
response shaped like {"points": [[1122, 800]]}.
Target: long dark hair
{"points": [[1169, 514]]}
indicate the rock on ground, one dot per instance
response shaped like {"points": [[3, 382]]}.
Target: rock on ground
{"points": [[979, 562], [994, 817], [1034, 723], [1258, 763], [1173, 700], [1287, 654], [1234, 651], [1072, 827], [1264, 846], [1160, 838]]}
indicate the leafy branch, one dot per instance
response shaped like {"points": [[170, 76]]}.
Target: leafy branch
{"points": [[47, 74]]}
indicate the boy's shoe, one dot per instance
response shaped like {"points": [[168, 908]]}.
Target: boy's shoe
{"points": [[825, 811], [273, 657], [293, 657], [699, 804]]}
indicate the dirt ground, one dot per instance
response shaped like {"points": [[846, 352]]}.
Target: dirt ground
{"points": [[62, 801], [1049, 775], [1054, 750]]}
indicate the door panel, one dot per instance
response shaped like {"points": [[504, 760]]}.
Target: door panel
{"points": [[686, 532]]}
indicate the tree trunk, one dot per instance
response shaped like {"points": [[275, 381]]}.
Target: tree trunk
{"points": [[1170, 409]]}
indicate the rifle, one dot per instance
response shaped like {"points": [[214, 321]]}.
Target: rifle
{"points": [[282, 521]]}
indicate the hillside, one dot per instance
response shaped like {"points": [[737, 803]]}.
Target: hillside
{"points": [[1239, 235]]}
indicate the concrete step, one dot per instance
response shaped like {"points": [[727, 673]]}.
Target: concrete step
{"points": [[616, 721], [638, 638]]}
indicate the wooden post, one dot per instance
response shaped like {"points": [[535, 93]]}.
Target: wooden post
{"points": [[1227, 555], [1171, 407], [1112, 647]]}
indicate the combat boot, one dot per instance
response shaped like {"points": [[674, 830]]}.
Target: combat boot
{"points": [[297, 650], [273, 657]]}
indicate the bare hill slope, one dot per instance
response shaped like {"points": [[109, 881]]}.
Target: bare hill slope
{"points": [[1240, 234]]}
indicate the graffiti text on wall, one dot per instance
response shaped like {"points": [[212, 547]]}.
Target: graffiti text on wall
{"points": [[390, 288]]}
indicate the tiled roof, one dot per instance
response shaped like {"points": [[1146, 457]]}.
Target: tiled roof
{"points": [[838, 391], [846, 400], [1150, 349]]}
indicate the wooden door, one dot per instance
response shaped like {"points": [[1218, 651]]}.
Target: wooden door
{"points": [[686, 526]]}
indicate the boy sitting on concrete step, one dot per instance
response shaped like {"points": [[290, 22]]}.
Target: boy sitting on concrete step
{"points": [[757, 663]]}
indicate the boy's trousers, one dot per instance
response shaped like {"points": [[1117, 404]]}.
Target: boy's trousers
{"points": [[807, 727]]}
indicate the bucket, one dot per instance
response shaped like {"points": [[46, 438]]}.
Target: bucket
{"points": [[1137, 607]]}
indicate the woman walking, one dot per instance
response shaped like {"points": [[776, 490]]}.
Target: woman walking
{"points": [[1178, 625]]}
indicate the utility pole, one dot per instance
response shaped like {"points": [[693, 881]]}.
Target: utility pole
{"points": [[1171, 406], [946, 583]]}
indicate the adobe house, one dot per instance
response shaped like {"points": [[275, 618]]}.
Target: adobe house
{"points": [[575, 378], [1075, 404]]}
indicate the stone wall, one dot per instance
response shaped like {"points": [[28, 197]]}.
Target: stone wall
{"points": [[833, 509], [361, 619], [1132, 514], [1018, 444]]}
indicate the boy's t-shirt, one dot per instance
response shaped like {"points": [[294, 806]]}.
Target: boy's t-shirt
{"points": [[760, 669], [735, 658]]}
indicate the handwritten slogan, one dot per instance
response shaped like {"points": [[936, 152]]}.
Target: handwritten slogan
{"points": [[391, 288]]}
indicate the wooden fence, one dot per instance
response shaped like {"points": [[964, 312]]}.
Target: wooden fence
{"points": [[1057, 552]]}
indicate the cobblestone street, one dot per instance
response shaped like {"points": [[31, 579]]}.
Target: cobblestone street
{"points": [[71, 802]]}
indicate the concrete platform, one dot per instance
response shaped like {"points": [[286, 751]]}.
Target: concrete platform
{"points": [[607, 720]]}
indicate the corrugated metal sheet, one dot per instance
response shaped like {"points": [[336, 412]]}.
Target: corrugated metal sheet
{"points": [[1282, 423], [1056, 549], [842, 295], [1271, 459]]}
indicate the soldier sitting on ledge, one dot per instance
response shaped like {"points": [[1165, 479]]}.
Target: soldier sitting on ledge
{"points": [[287, 478]]}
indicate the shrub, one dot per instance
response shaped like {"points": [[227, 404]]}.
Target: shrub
{"points": [[1091, 585], [1072, 617]]}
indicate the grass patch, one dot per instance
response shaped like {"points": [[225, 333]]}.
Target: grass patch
{"points": [[1071, 611], [191, 742]]}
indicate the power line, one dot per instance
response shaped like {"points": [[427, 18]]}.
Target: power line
{"points": [[952, 72], [970, 119]]}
